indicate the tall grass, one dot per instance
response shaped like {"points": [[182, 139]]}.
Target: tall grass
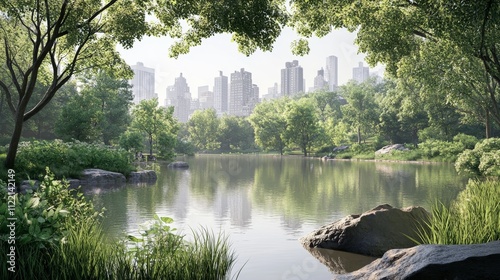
{"points": [[474, 217], [87, 254]]}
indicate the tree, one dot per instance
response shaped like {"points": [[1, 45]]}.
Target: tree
{"points": [[270, 125], [106, 101], [360, 109], [203, 129], [79, 119], [235, 133], [51, 41], [447, 35], [302, 123], [131, 140], [154, 121]]}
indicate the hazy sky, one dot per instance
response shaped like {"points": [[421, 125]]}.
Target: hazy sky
{"points": [[203, 62]]}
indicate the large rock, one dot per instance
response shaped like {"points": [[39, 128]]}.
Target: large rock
{"points": [[143, 176], [460, 262], [99, 177], [178, 164], [389, 148], [371, 233]]}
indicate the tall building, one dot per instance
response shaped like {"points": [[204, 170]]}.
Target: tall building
{"points": [[292, 79], [143, 82], [272, 92], [179, 96], [221, 94], [240, 92], [331, 72], [319, 81], [360, 73], [205, 98]]}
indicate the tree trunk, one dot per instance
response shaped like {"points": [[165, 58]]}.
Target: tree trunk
{"points": [[151, 144], [359, 135], [488, 125], [14, 141]]}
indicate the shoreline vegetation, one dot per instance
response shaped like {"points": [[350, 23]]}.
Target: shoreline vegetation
{"points": [[59, 236]]}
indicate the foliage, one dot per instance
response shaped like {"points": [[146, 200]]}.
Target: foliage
{"points": [[99, 112], [443, 150], [269, 124], [203, 129], [302, 124], [156, 122], [483, 160], [474, 217], [131, 141], [44, 215], [68, 159], [360, 110], [54, 40], [235, 133]]}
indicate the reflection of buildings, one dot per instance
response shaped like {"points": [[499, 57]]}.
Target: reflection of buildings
{"points": [[143, 82], [233, 203]]}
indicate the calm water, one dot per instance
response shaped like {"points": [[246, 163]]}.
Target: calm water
{"points": [[265, 203]]}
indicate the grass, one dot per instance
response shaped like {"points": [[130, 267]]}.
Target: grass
{"points": [[474, 217], [87, 254]]}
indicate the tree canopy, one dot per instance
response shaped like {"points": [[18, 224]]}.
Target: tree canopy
{"points": [[51, 41]]}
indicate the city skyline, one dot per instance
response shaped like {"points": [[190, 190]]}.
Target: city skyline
{"points": [[218, 53]]}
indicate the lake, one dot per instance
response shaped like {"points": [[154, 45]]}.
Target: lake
{"points": [[265, 203]]}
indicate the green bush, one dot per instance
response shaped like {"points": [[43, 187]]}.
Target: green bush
{"points": [[483, 160], [474, 217], [68, 159], [441, 150], [468, 141], [43, 216]]}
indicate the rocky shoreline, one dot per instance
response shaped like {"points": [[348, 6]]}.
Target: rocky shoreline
{"points": [[391, 234]]}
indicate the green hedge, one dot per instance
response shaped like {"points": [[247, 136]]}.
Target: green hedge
{"points": [[68, 159], [483, 160]]}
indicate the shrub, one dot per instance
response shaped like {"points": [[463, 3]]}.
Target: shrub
{"points": [[483, 160], [441, 150], [474, 217], [44, 215], [468, 141], [68, 159]]}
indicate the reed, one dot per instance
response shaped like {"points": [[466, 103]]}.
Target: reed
{"points": [[474, 217]]}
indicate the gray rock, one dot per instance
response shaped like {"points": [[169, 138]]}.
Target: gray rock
{"points": [[371, 233], [389, 148], [28, 185], [478, 261], [178, 164], [340, 149], [143, 176], [99, 177], [74, 183]]}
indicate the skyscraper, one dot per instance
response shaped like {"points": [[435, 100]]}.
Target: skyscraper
{"points": [[205, 98], [292, 79], [143, 82], [221, 93], [319, 81], [360, 73], [241, 92], [331, 72], [180, 98]]}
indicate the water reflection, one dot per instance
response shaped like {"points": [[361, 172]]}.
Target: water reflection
{"points": [[340, 262], [266, 202]]}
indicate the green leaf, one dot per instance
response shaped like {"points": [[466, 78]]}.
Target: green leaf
{"points": [[167, 220]]}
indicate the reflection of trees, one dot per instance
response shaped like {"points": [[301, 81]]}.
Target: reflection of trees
{"points": [[300, 187]]}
